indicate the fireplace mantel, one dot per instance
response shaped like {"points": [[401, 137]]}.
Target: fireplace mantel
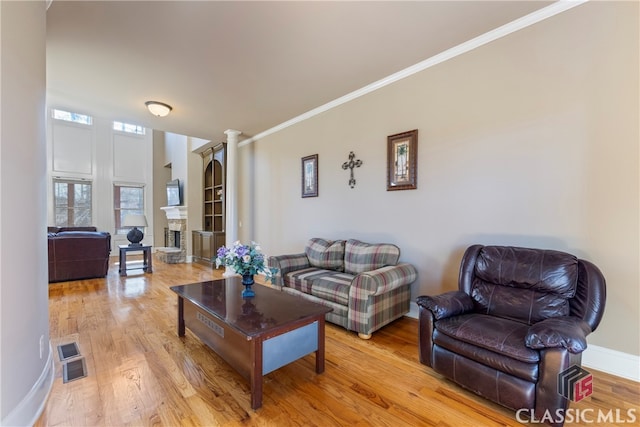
{"points": [[175, 212]]}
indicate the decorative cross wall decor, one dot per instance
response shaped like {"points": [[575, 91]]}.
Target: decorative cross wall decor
{"points": [[350, 165]]}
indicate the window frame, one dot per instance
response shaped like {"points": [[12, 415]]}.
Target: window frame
{"points": [[117, 209], [71, 118], [125, 125], [71, 208]]}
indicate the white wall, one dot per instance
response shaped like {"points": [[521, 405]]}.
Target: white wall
{"points": [[176, 155], [25, 375], [105, 157], [531, 140], [161, 175]]}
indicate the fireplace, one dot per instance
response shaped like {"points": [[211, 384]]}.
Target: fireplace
{"points": [[171, 238], [175, 244]]}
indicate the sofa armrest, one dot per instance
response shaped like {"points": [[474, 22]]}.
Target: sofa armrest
{"points": [[288, 263], [382, 280], [559, 332], [446, 305]]}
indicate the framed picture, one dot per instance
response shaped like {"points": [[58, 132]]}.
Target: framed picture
{"points": [[402, 155], [310, 176]]}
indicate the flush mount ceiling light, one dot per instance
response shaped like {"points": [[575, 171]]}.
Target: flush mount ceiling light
{"points": [[159, 109]]}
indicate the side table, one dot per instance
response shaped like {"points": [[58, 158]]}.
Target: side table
{"points": [[146, 258]]}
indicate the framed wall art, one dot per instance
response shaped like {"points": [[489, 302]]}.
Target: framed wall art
{"points": [[310, 176], [402, 157]]}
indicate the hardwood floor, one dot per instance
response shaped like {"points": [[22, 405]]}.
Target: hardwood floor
{"points": [[140, 373]]}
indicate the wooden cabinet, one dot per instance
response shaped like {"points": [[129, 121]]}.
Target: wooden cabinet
{"points": [[214, 188], [207, 241]]}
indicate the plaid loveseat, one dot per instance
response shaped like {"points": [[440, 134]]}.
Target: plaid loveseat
{"points": [[363, 283]]}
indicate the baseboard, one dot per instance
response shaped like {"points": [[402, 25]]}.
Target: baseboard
{"points": [[612, 362], [599, 358], [27, 412]]}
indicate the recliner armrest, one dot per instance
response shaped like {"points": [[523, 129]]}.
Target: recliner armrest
{"points": [[559, 332], [446, 305], [288, 263]]}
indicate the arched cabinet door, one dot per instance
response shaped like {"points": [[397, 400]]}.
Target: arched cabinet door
{"points": [[207, 241]]}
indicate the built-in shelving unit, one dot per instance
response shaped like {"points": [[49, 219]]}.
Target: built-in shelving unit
{"points": [[207, 241]]}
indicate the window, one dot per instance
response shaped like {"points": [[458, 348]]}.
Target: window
{"points": [[72, 203], [129, 128], [128, 199], [72, 117]]}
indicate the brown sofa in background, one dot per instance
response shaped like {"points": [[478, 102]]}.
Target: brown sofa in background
{"points": [[77, 253]]}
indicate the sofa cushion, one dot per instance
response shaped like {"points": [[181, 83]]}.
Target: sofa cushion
{"points": [[524, 305], [300, 279], [523, 370], [360, 257], [333, 287], [498, 335], [326, 254], [538, 270], [524, 284], [328, 285]]}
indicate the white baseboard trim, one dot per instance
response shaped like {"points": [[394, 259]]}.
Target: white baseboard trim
{"points": [[612, 362], [27, 412]]}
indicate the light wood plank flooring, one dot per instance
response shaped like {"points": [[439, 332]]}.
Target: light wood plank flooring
{"points": [[140, 373]]}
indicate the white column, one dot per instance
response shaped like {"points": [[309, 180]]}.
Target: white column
{"points": [[231, 202]]}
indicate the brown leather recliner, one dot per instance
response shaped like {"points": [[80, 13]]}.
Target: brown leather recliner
{"points": [[520, 317], [77, 253]]}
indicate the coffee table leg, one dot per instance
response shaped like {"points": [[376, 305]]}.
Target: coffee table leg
{"points": [[256, 374], [320, 351], [181, 326]]}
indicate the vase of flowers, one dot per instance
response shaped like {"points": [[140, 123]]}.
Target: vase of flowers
{"points": [[245, 260]]}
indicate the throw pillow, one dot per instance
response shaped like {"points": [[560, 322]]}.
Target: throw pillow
{"points": [[326, 254], [360, 257]]}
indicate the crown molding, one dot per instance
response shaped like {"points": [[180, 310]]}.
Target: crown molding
{"points": [[513, 26]]}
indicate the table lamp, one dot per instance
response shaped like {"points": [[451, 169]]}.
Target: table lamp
{"points": [[135, 235]]}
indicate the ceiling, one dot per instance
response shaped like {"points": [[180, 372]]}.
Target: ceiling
{"points": [[243, 65]]}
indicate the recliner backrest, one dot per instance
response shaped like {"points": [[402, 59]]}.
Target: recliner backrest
{"points": [[522, 284]]}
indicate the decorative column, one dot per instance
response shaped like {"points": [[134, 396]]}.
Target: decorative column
{"points": [[231, 201]]}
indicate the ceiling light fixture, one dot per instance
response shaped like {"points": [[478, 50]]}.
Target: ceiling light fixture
{"points": [[159, 109]]}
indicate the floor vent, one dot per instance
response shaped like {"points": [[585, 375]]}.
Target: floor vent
{"points": [[67, 351], [74, 370]]}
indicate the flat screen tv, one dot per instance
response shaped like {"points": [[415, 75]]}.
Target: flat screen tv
{"points": [[173, 193]]}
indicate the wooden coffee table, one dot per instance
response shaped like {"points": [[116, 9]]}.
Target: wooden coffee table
{"points": [[254, 335]]}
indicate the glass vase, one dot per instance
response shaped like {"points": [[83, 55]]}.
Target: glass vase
{"points": [[247, 281]]}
